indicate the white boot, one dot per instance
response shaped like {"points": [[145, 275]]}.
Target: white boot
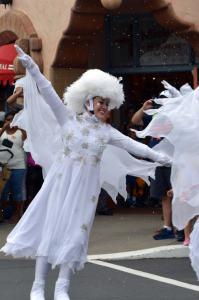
{"points": [[37, 292], [61, 289]]}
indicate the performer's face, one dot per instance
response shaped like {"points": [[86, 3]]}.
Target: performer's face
{"points": [[100, 106]]}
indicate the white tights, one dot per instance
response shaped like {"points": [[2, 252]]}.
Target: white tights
{"points": [[42, 268]]}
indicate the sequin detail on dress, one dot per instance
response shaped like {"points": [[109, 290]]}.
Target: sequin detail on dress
{"points": [[59, 176], [84, 227], [67, 151], [93, 198]]}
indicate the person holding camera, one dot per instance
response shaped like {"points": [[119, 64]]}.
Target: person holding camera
{"points": [[12, 139], [161, 185], [12, 100]]}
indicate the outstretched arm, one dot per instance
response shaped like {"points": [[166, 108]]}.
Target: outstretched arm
{"points": [[12, 99], [45, 87], [172, 90], [137, 118], [120, 140]]}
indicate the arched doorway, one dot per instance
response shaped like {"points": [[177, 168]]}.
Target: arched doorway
{"points": [[16, 27]]}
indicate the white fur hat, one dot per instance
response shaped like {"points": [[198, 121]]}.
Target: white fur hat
{"points": [[91, 84]]}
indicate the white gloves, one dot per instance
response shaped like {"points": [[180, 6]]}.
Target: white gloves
{"points": [[164, 160], [158, 157], [27, 61], [161, 158], [167, 86], [172, 90]]}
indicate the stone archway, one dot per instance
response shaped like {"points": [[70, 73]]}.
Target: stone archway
{"points": [[86, 21], [16, 27]]}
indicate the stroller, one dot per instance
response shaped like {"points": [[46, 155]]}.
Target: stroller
{"points": [[4, 176]]}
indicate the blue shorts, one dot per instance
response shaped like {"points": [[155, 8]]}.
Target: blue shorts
{"points": [[15, 184], [162, 184], [131, 180]]}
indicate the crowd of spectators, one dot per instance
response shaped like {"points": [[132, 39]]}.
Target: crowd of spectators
{"points": [[26, 177]]}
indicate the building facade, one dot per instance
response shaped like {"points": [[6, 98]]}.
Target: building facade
{"points": [[144, 41]]}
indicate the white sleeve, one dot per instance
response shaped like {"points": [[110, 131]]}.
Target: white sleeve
{"points": [[120, 140], [175, 93], [48, 93]]}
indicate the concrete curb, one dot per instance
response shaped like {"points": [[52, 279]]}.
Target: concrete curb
{"points": [[177, 251]]}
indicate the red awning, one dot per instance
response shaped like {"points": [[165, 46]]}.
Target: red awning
{"points": [[7, 56]]}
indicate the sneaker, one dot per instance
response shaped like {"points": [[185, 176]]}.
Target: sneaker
{"points": [[131, 202], [164, 234], [181, 236], [186, 242], [133, 206]]}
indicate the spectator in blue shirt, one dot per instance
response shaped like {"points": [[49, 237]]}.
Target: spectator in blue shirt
{"points": [[161, 185]]}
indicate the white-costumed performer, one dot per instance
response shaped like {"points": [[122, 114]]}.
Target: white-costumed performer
{"points": [[177, 120], [55, 228]]}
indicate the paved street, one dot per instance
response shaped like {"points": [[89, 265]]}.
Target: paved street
{"points": [[103, 279], [105, 283], [118, 233]]}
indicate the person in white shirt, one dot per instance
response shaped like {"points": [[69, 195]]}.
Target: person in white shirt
{"points": [[15, 138]]}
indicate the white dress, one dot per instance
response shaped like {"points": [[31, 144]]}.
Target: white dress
{"points": [[57, 224]]}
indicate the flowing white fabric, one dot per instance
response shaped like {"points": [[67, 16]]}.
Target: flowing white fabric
{"points": [[73, 152], [44, 134], [178, 121], [116, 163]]}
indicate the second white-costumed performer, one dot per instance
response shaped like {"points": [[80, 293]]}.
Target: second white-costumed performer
{"points": [[55, 228], [177, 121]]}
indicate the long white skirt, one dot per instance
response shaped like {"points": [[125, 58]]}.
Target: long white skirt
{"points": [[57, 224]]}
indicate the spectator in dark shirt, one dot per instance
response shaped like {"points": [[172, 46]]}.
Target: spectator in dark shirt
{"points": [[129, 113]]}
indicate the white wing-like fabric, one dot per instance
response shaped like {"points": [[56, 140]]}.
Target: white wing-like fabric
{"points": [[116, 163], [43, 130], [178, 121]]}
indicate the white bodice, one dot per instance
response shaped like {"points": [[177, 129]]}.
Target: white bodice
{"points": [[84, 139]]}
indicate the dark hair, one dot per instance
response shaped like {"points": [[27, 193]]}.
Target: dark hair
{"points": [[129, 108], [12, 112]]}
